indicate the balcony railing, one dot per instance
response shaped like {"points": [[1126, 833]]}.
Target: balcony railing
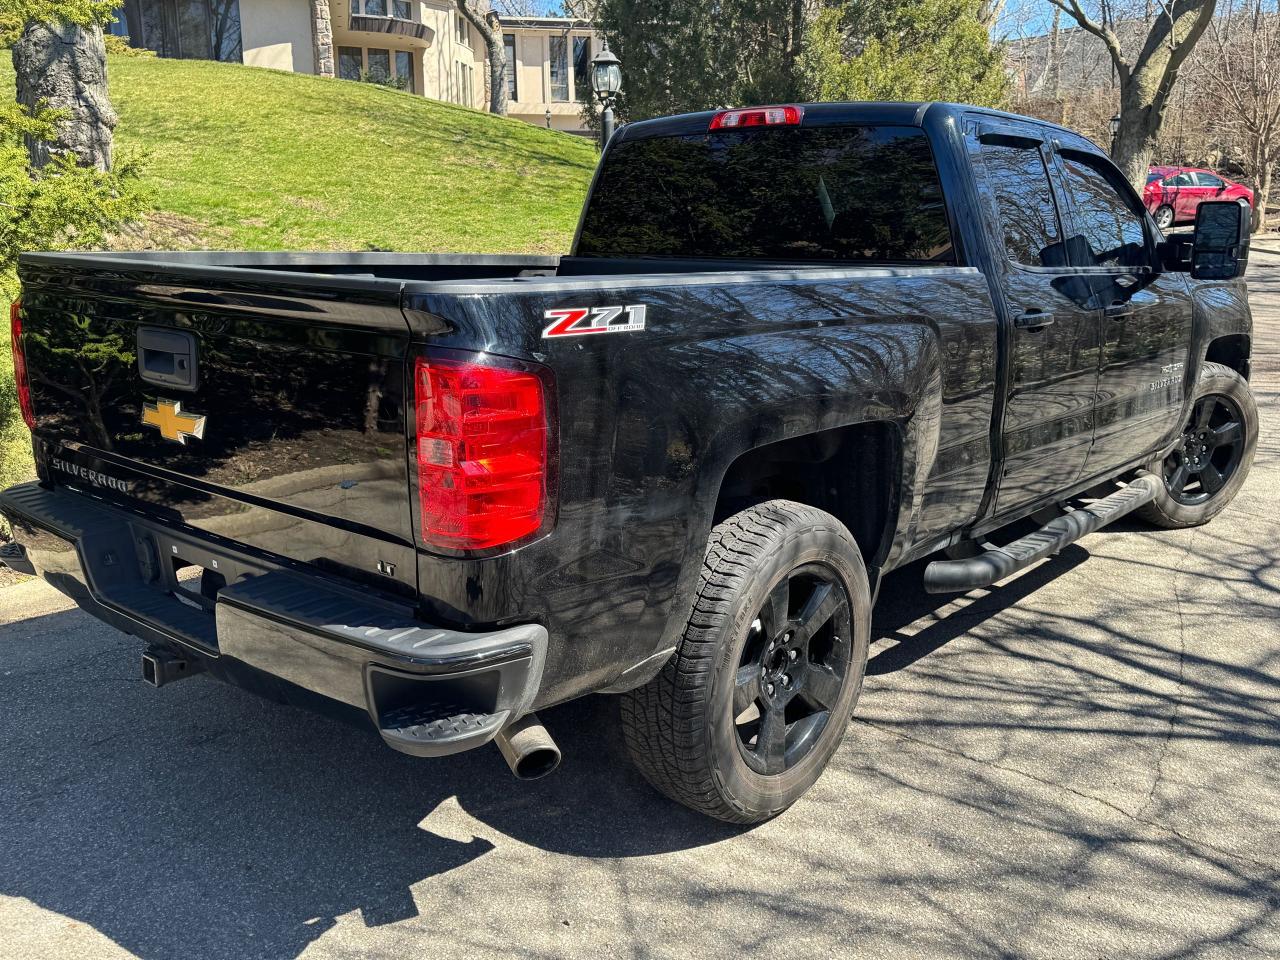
{"points": [[393, 25]]}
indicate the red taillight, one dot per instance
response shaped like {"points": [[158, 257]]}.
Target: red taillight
{"points": [[20, 366], [482, 453], [758, 117]]}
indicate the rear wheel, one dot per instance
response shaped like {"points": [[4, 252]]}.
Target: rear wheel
{"points": [[1164, 216], [745, 716], [1207, 468]]}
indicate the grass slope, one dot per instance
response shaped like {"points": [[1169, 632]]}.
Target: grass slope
{"points": [[262, 160], [271, 160]]}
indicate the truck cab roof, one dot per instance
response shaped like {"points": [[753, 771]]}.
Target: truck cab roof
{"points": [[876, 112]]}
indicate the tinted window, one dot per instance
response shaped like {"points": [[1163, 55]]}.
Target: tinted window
{"points": [[1208, 180], [1106, 223], [795, 193], [1024, 202], [1179, 180]]}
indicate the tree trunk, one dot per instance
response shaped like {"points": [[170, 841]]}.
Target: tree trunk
{"points": [[1261, 197], [1135, 142], [1053, 71], [322, 37], [64, 67], [490, 30]]}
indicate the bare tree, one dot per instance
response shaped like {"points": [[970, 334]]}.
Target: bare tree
{"points": [[1146, 75], [489, 27], [1242, 67]]}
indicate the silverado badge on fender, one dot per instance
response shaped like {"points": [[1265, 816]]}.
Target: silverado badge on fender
{"points": [[168, 417], [578, 321]]}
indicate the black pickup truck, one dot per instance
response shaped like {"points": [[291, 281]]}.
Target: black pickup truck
{"points": [[794, 348]]}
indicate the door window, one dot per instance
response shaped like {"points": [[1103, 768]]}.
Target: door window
{"points": [[1209, 180], [1024, 202], [1179, 180], [1111, 232]]}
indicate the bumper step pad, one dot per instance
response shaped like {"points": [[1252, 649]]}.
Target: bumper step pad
{"points": [[440, 728]]}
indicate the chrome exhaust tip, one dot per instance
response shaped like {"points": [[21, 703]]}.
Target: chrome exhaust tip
{"points": [[528, 748]]}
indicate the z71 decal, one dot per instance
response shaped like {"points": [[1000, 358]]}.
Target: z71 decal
{"points": [[579, 321]]}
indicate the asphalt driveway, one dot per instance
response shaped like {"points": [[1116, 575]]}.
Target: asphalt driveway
{"points": [[1080, 763]]}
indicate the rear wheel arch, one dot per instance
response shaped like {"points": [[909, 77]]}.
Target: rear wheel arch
{"points": [[853, 472], [1232, 351]]}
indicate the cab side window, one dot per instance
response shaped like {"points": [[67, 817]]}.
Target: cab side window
{"points": [[1111, 231], [1024, 200]]}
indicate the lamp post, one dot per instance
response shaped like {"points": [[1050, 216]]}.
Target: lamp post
{"points": [[1114, 124], [606, 81]]}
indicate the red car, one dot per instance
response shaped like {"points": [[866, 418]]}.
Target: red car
{"points": [[1173, 193]]}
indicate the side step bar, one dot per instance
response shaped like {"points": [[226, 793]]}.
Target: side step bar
{"points": [[958, 576]]}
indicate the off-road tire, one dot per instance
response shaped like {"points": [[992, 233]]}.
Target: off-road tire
{"points": [[679, 728], [1165, 510]]}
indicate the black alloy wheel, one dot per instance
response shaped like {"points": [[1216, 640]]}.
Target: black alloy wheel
{"points": [[1210, 452], [792, 669]]}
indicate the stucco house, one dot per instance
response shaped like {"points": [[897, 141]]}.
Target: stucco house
{"points": [[425, 46]]}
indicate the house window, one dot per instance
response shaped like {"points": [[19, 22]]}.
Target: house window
{"points": [[186, 29], [375, 8], [404, 69], [379, 67], [401, 9], [559, 70], [581, 68], [463, 93], [509, 40], [464, 31], [350, 63]]}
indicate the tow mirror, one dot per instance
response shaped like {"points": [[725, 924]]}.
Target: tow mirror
{"points": [[1220, 244]]}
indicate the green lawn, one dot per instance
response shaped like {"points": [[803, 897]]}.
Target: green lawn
{"points": [[256, 159], [267, 160]]}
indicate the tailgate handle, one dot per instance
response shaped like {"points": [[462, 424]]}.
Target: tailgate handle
{"points": [[167, 358]]}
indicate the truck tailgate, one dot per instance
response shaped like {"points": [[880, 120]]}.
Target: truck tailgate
{"points": [[266, 408]]}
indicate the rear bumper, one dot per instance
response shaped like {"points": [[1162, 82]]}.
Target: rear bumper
{"points": [[283, 631]]}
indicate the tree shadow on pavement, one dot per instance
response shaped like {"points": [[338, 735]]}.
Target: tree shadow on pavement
{"points": [[196, 820]]}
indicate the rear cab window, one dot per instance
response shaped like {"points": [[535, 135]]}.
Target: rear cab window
{"points": [[848, 194]]}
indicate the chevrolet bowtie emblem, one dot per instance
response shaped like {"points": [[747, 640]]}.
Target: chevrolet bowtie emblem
{"points": [[167, 417]]}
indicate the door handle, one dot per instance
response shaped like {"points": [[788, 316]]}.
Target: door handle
{"points": [[1033, 320], [1118, 311]]}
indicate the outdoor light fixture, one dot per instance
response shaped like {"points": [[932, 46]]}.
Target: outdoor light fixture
{"points": [[606, 82]]}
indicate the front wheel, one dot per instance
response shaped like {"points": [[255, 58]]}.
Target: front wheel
{"points": [[748, 711], [1207, 468]]}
